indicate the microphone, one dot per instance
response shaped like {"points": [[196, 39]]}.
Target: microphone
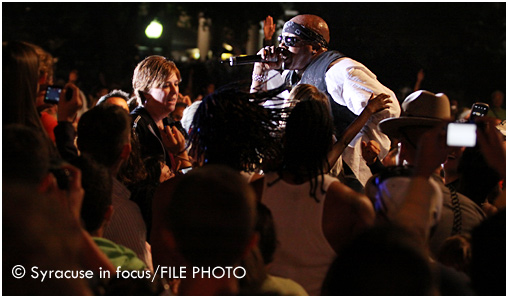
{"points": [[250, 59]]}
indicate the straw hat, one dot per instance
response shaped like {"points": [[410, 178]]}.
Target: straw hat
{"points": [[420, 108]]}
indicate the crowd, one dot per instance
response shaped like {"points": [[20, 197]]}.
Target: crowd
{"points": [[315, 180]]}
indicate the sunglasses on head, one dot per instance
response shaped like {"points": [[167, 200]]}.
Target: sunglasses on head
{"points": [[289, 41]]}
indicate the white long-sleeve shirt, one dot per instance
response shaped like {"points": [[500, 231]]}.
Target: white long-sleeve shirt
{"points": [[351, 84]]}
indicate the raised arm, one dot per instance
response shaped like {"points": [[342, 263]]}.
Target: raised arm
{"points": [[375, 104]]}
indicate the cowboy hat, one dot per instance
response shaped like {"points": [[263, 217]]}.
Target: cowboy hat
{"points": [[421, 108]]}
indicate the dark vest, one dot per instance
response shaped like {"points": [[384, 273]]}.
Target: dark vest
{"points": [[315, 75]]}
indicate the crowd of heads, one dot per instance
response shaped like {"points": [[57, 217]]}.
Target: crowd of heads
{"points": [[212, 216]]}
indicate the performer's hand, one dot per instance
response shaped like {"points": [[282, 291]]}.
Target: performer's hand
{"points": [[269, 28], [270, 53]]}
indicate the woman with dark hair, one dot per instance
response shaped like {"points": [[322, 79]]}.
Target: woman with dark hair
{"points": [[314, 213], [20, 75], [22, 72]]}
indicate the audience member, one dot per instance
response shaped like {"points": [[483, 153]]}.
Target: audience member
{"points": [[73, 78], [415, 208], [455, 252], [140, 176], [42, 215], [97, 211], [387, 191], [155, 83], [188, 115], [488, 256], [97, 92], [207, 226], [177, 115], [306, 203], [104, 134], [232, 128], [423, 110], [259, 259], [474, 186], [116, 97], [47, 111], [496, 109], [21, 73], [382, 261]]}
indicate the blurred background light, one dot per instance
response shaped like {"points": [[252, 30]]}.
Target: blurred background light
{"points": [[154, 30]]}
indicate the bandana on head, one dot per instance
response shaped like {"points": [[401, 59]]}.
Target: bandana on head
{"points": [[304, 33]]}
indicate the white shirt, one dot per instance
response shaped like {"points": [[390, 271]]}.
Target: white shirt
{"points": [[351, 84]]}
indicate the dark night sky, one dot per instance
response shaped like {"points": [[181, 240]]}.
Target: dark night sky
{"points": [[460, 46]]}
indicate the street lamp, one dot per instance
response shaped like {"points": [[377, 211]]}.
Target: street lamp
{"points": [[154, 30]]}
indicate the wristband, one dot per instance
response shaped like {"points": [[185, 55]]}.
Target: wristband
{"points": [[258, 78]]}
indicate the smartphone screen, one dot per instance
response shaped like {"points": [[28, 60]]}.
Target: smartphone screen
{"points": [[461, 135], [478, 109], [52, 94]]}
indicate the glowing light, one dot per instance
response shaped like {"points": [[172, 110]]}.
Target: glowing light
{"points": [[225, 56], [194, 53], [154, 30], [227, 46]]}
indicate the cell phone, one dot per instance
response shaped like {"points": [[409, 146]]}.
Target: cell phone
{"points": [[53, 94], [461, 134], [62, 177], [479, 109]]}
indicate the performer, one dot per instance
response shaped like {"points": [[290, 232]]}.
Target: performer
{"points": [[304, 57]]}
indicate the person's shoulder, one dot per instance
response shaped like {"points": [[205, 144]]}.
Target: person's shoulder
{"points": [[283, 286], [341, 196], [344, 63], [140, 117]]}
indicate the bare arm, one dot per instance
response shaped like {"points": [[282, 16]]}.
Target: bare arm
{"points": [[345, 214], [375, 105]]}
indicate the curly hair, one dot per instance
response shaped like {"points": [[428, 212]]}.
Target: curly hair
{"points": [[232, 127]]}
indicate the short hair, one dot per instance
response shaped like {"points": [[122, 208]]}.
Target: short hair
{"points": [[114, 93], [102, 133], [97, 184], [384, 260], [211, 214], [153, 71], [25, 155], [455, 252]]}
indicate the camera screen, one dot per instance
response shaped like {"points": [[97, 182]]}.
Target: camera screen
{"points": [[461, 135], [53, 93]]}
